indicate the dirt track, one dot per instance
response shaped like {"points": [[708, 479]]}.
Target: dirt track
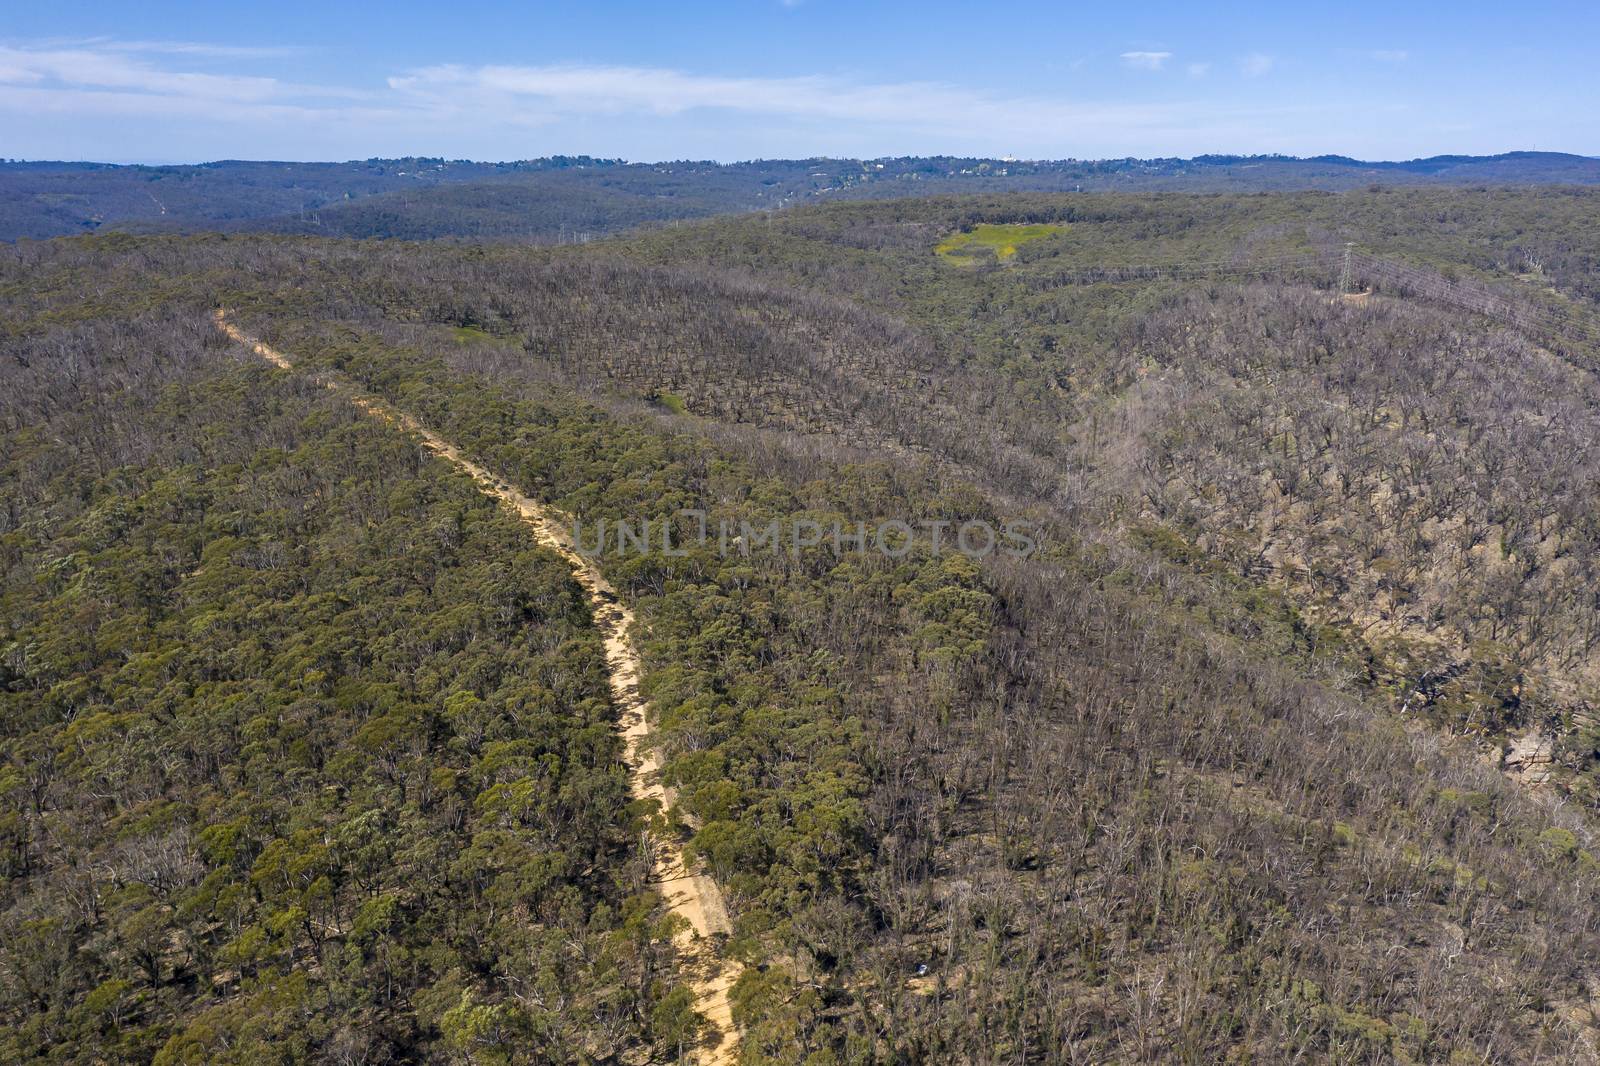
{"points": [[688, 893]]}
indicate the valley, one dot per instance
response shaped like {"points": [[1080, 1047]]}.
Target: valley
{"points": [[1282, 744]]}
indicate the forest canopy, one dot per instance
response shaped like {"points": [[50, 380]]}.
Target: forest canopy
{"points": [[309, 753]]}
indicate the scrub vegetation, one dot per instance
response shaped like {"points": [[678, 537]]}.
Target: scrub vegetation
{"points": [[1281, 746]]}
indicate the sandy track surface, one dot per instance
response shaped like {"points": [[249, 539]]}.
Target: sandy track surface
{"points": [[688, 893]]}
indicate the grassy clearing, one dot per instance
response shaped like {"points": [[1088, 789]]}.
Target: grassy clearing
{"points": [[474, 335], [1001, 239]]}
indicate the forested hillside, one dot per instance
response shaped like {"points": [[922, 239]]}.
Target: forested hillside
{"points": [[312, 747], [577, 198], [307, 750]]}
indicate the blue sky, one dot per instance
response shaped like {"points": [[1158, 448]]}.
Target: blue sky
{"points": [[185, 82]]}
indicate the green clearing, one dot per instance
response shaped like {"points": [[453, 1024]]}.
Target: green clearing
{"points": [[474, 335], [1003, 239]]}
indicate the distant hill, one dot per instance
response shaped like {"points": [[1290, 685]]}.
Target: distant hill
{"points": [[567, 198], [54, 199]]}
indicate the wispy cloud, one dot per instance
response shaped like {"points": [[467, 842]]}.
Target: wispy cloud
{"points": [[203, 48], [103, 68], [1146, 60], [168, 84], [1199, 70], [137, 67], [1256, 64], [1389, 55], [547, 93]]}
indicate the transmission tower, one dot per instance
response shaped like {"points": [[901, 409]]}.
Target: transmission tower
{"points": [[1346, 277]]}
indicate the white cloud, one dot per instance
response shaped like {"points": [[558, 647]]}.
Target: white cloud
{"points": [[165, 94], [1256, 64], [32, 100], [552, 92], [125, 67], [1146, 60], [1389, 55], [110, 70], [204, 49], [1198, 70]]}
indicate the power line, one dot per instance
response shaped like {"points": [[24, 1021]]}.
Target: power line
{"points": [[1351, 265], [1554, 323]]}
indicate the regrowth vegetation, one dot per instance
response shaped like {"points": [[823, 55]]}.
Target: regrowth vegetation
{"points": [[1188, 784], [308, 751]]}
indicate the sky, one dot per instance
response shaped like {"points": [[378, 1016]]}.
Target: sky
{"points": [[160, 82]]}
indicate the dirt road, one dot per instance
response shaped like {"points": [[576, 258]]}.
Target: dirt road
{"points": [[688, 893]]}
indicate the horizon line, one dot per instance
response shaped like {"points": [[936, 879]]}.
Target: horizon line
{"points": [[1204, 158]]}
